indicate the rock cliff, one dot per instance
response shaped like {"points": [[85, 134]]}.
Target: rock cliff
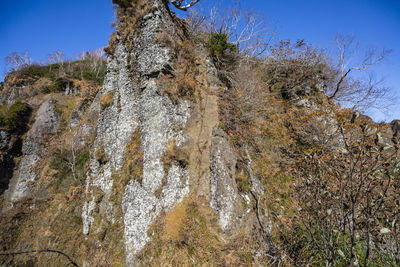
{"points": [[159, 166]]}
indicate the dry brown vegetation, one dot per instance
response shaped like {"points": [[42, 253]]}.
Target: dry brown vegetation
{"points": [[181, 83], [106, 100], [260, 110], [188, 235]]}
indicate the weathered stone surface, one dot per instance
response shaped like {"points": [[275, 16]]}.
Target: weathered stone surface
{"points": [[256, 187], [47, 121], [13, 97], [138, 105], [4, 139], [224, 196]]}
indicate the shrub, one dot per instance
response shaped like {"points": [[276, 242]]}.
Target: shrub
{"points": [[1, 86], [88, 74], [347, 198], [36, 70], [297, 69], [69, 166], [225, 55], [219, 45], [124, 3], [13, 116], [59, 85], [81, 160]]}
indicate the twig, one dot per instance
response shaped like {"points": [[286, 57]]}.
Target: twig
{"points": [[41, 251]]}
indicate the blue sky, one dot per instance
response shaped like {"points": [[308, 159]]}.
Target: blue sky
{"points": [[43, 26]]}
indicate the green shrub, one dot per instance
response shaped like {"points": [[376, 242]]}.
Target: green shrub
{"points": [[13, 116], [35, 71], [219, 44], [59, 85], [87, 73], [1, 86]]}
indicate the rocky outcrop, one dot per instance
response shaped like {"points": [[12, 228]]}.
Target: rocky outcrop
{"points": [[149, 148], [47, 121], [137, 105], [224, 197]]}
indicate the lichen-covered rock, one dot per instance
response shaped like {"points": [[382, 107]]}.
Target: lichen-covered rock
{"points": [[137, 104], [47, 121], [224, 196]]}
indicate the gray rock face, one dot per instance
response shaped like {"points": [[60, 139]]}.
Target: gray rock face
{"points": [[137, 105], [46, 121], [4, 139], [13, 97], [256, 187], [224, 196]]}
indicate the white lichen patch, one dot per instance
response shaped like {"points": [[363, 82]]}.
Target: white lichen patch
{"points": [[115, 127], [176, 188], [140, 207]]}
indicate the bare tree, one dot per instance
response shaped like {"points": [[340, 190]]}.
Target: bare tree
{"points": [[363, 90], [95, 59], [350, 209], [184, 4], [246, 29], [57, 57], [16, 61]]}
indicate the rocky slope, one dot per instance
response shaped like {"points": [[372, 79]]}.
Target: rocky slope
{"points": [[159, 167]]}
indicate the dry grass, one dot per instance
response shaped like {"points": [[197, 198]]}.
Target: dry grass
{"points": [[101, 156], [182, 83], [106, 100], [183, 237], [111, 234], [175, 221], [132, 170], [174, 155], [189, 235], [133, 166], [66, 105], [89, 89]]}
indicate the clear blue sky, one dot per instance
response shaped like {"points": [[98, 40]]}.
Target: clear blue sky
{"points": [[43, 26]]}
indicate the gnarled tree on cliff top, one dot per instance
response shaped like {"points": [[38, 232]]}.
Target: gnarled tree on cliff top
{"points": [[179, 4], [184, 5]]}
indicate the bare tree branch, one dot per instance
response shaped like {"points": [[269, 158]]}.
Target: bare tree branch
{"points": [[361, 91], [183, 5], [71, 262]]}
